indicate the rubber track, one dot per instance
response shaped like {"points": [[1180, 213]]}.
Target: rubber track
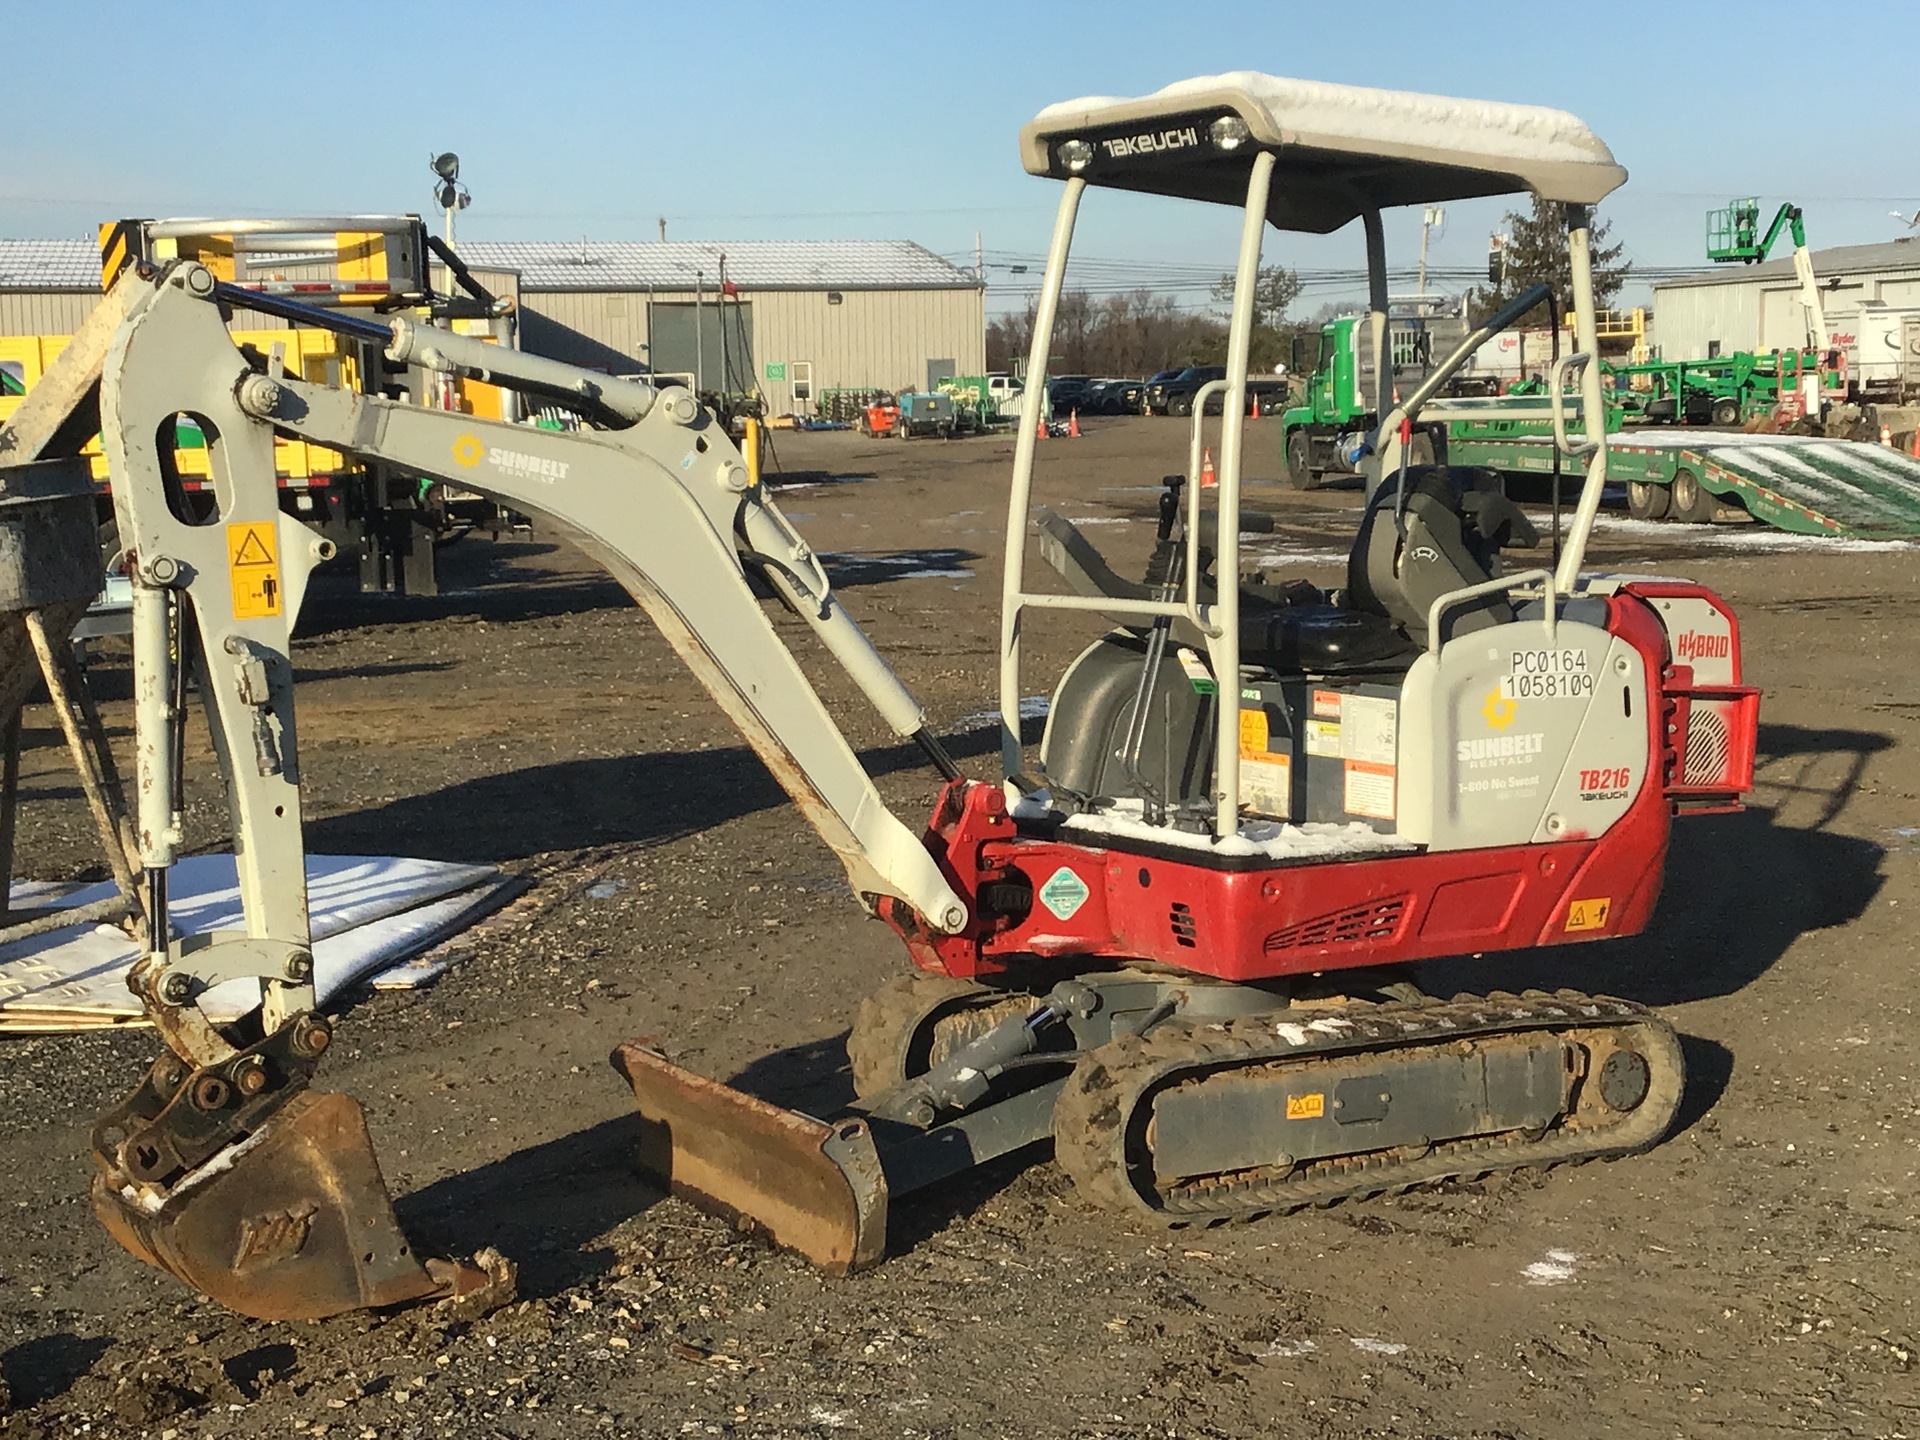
{"points": [[884, 1025], [1094, 1116]]}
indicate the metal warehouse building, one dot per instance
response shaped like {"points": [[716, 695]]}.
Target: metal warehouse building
{"points": [[798, 317], [1756, 307], [47, 286]]}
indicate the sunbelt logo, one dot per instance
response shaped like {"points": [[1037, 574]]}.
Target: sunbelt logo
{"points": [[470, 450], [1499, 751]]}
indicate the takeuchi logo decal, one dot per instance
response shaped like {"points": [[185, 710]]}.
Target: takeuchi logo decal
{"points": [[1126, 147]]}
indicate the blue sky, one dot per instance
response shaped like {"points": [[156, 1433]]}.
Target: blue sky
{"points": [[835, 120]]}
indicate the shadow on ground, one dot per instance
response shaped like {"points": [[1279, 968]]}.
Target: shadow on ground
{"points": [[497, 581], [46, 1366], [849, 569], [628, 799], [1740, 889], [1709, 1069], [539, 1206]]}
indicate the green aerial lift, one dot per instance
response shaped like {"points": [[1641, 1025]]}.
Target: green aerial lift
{"points": [[1733, 234]]}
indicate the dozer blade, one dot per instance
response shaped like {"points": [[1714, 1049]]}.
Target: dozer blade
{"points": [[807, 1186], [290, 1223]]}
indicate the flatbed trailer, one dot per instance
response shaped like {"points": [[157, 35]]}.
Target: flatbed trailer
{"points": [[1799, 483]]}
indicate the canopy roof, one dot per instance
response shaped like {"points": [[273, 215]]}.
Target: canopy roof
{"points": [[1342, 149]]}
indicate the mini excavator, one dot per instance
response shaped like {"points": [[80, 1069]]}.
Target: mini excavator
{"points": [[1179, 941]]}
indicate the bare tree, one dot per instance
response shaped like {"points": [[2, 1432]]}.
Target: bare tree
{"points": [[1135, 333]]}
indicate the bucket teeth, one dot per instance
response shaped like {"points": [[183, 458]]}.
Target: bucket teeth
{"points": [[803, 1184]]}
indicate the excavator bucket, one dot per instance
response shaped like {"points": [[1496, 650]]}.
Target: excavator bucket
{"points": [[290, 1223], [803, 1184]]}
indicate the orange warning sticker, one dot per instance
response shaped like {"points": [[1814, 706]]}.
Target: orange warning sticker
{"points": [[1369, 790], [1253, 734], [1589, 914], [1306, 1107], [253, 563]]}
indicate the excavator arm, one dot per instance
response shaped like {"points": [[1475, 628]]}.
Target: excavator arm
{"points": [[222, 1166]]}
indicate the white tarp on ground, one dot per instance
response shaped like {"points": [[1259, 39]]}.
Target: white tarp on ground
{"points": [[368, 913]]}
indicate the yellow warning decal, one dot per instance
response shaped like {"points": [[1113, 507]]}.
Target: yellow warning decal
{"points": [[1306, 1107], [1253, 734], [119, 248], [1589, 914], [253, 562]]}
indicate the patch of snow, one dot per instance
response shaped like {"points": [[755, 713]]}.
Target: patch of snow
{"points": [[1555, 1269], [1368, 1345], [366, 914], [1032, 707], [1298, 1034], [1751, 538], [219, 1164], [1287, 1349], [1357, 117], [1272, 559], [1273, 839]]}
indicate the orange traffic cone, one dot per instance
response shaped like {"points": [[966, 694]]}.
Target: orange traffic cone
{"points": [[1041, 429], [1914, 448], [1886, 437], [1208, 480], [1256, 409], [1073, 424]]}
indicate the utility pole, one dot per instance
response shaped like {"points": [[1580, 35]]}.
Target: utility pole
{"points": [[663, 229], [979, 260], [720, 308], [699, 340], [1430, 219]]}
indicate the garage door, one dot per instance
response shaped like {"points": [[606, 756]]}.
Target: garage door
{"points": [[697, 339]]}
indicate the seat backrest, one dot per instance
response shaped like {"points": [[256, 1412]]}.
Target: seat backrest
{"points": [[1457, 519]]}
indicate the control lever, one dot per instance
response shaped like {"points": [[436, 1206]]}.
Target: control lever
{"points": [[1169, 563]]}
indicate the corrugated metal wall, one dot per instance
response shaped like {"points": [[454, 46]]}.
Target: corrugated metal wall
{"points": [[44, 312], [870, 338], [878, 338], [881, 338], [1763, 314], [593, 328]]}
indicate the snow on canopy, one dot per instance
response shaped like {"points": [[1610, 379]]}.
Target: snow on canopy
{"points": [[1341, 148]]}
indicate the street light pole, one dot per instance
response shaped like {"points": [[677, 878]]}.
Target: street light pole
{"points": [[1431, 217], [451, 194]]}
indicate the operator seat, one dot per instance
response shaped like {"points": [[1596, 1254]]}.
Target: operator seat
{"points": [[1456, 522]]}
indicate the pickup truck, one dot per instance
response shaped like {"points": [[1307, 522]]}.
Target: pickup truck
{"points": [[1175, 396]]}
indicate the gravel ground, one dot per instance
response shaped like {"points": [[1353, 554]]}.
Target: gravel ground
{"points": [[1752, 1276]]}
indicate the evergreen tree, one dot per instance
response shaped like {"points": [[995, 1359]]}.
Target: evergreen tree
{"points": [[1536, 253], [1274, 289]]}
